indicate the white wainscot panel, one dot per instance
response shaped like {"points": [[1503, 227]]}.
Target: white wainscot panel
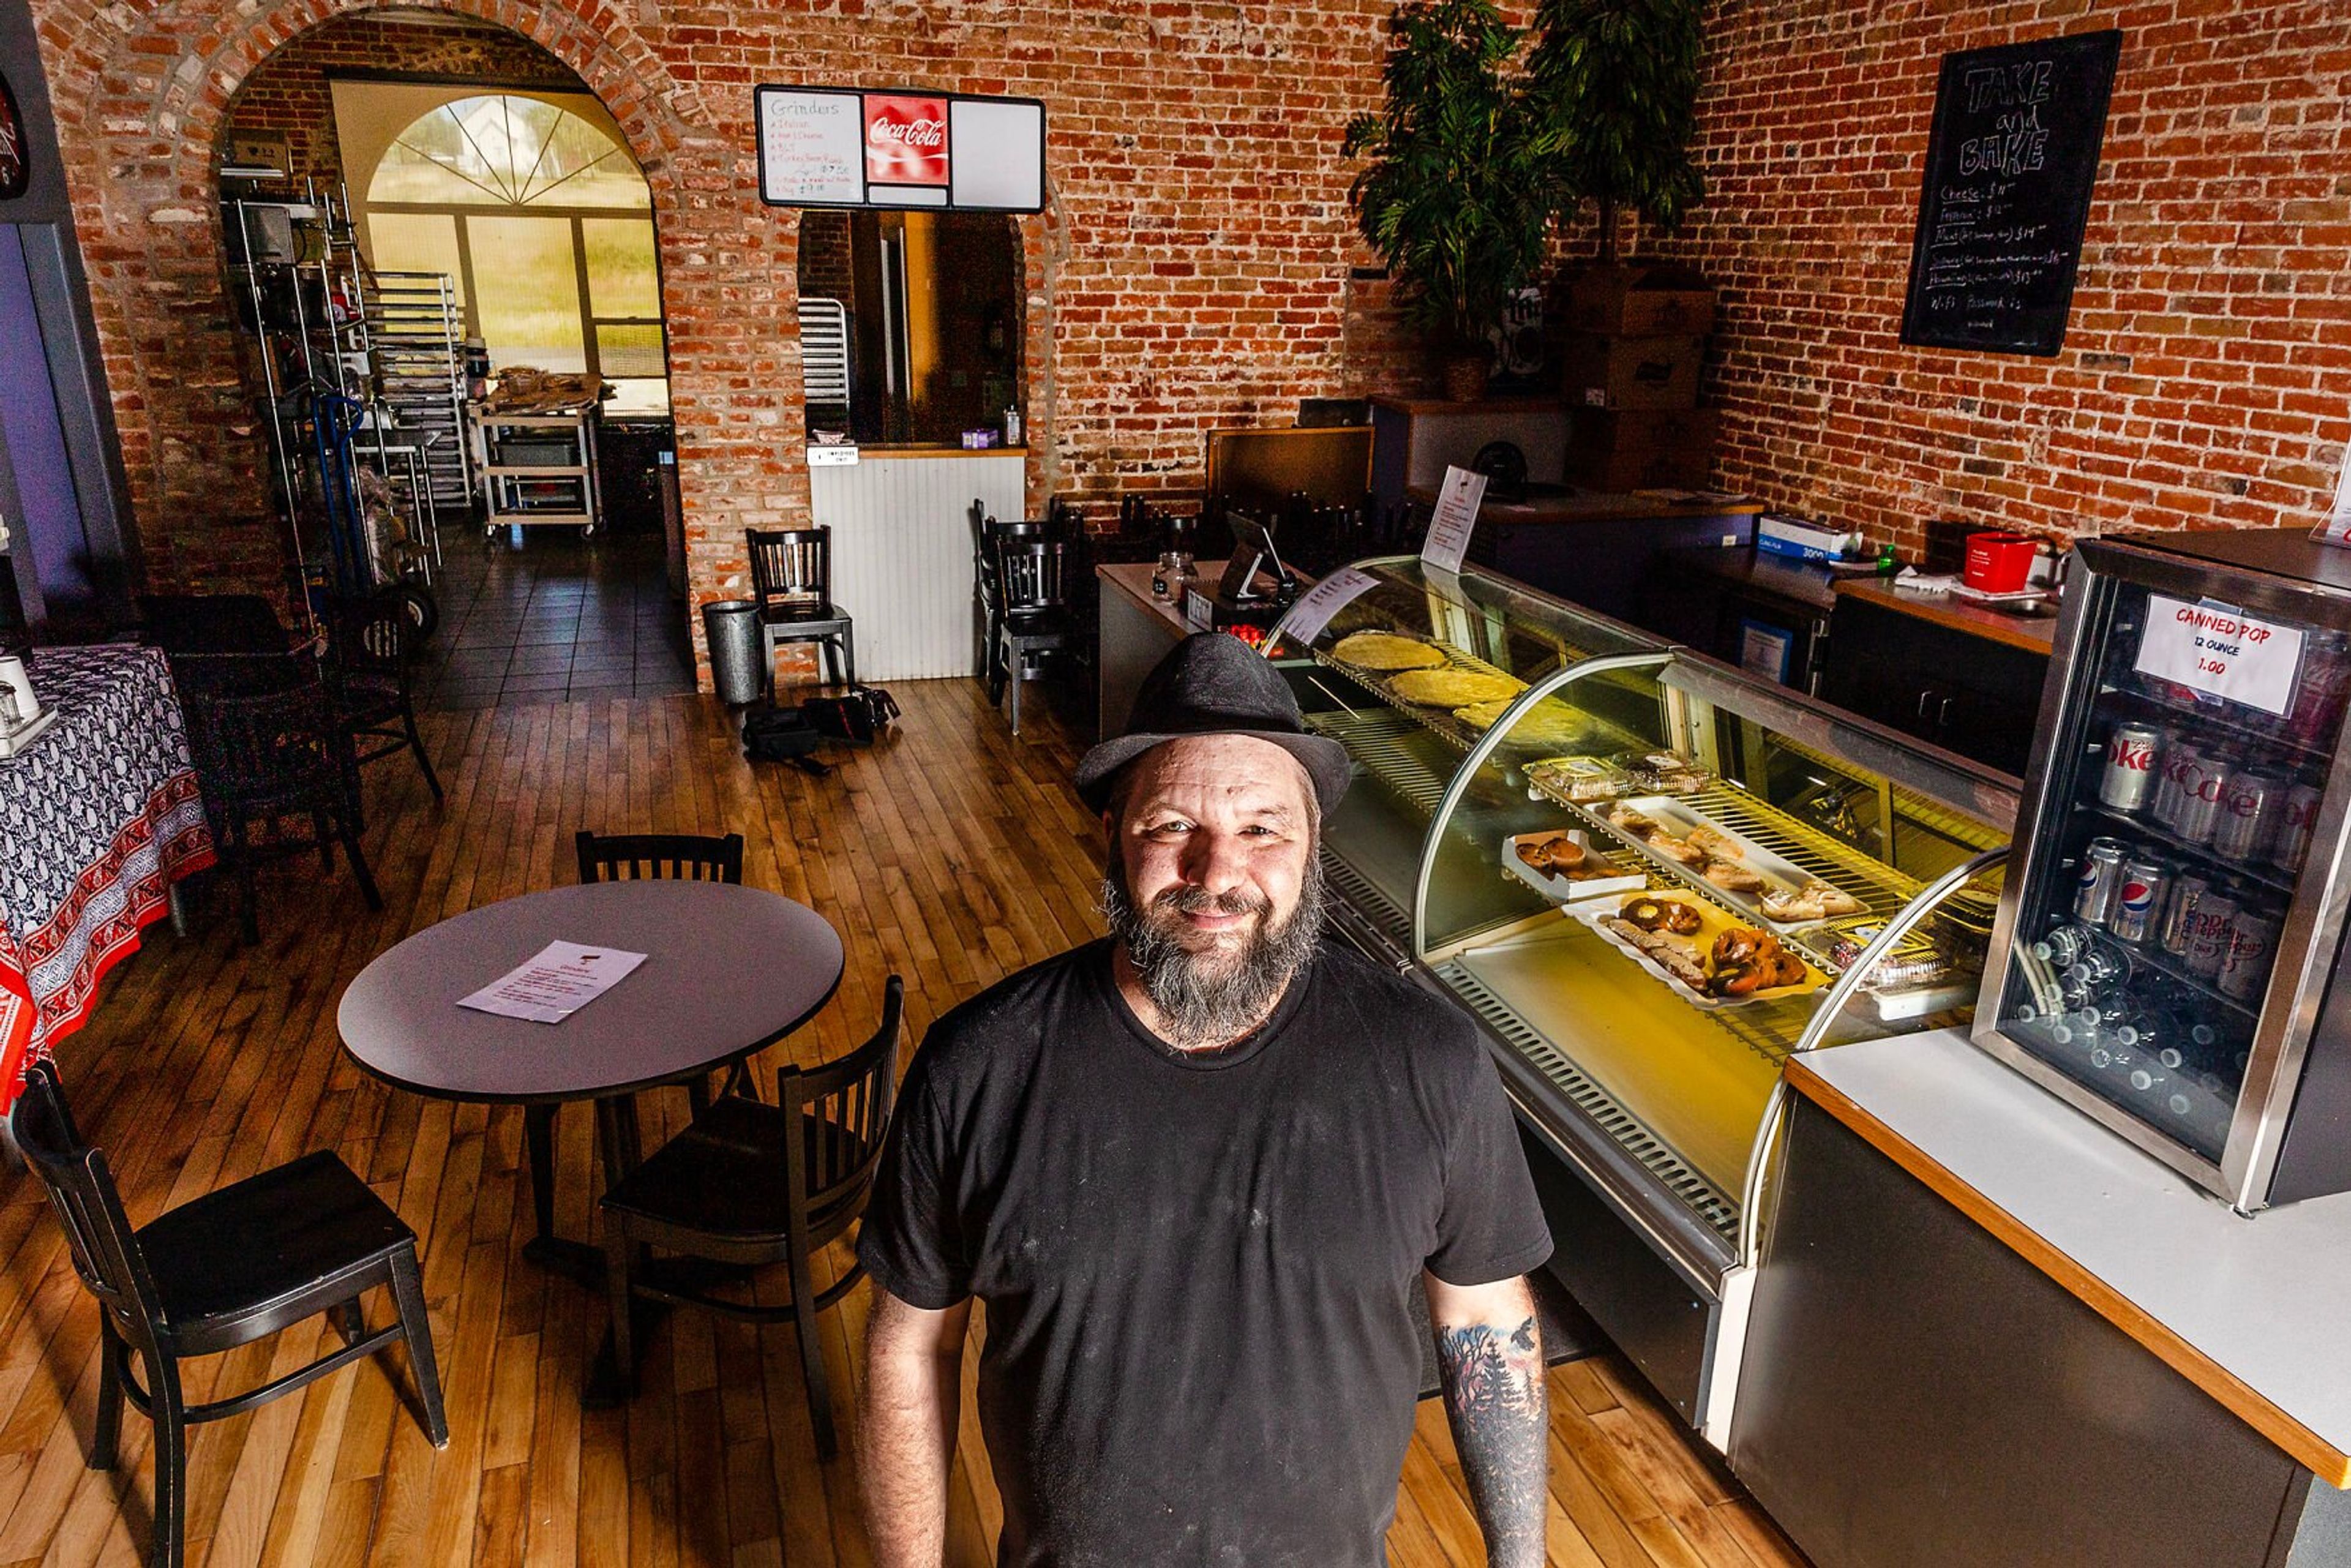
{"points": [[901, 553]]}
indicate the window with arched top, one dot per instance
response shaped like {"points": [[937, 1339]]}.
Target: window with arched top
{"points": [[529, 201]]}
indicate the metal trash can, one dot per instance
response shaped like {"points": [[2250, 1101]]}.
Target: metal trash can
{"points": [[732, 627]]}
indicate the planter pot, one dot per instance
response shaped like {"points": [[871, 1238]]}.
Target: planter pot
{"points": [[1463, 375]]}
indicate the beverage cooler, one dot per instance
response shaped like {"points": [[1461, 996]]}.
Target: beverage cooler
{"points": [[1649, 878], [2165, 954]]}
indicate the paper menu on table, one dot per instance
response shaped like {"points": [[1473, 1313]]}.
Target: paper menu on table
{"points": [[563, 978], [1457, 513]]}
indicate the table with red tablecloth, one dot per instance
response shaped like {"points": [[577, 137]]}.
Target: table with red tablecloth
{"points": [[98, 816]]}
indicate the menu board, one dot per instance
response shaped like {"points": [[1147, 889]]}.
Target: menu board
{"points": [[2009, 165], [844, 147]]}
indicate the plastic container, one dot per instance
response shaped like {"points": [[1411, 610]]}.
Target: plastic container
{"points": [[737, 654], [2000, 562]]}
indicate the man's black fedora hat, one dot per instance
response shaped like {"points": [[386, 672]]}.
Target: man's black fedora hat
{"points": [[1214, 684]]}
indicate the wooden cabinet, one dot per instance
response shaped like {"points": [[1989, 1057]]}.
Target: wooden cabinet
{"points": [[1963, 689]]}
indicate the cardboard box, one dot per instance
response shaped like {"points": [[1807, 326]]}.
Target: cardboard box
{"points": [[1639, 301], [1623, 449], [1632, 373]]}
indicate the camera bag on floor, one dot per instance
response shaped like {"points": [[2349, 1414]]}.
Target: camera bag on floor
{"points": [[857, 716], [772, 734]]}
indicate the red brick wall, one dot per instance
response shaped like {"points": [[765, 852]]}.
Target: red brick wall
{"points": [[825, 268], [1192, 269], [289, 92], [1195, 266], [2201, 381]]}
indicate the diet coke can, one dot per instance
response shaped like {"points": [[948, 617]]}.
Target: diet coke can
{"points": [[2130, 766], [2251, 802], [2253, 945], [2178, 911], [2099, 881], [2196, 814], [2209, 925], [2180, 755], [2138, 899], [2294, 824]]}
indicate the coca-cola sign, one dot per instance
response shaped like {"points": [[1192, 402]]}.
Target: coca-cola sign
{"points": [[899, 148], [905, 140]]}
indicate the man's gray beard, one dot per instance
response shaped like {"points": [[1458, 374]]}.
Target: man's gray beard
{"points": [[1200, 1006]]}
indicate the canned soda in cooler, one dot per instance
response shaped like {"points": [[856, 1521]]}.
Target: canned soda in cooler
{"points": [[2296, 821], [2208, 926], [2099, 881], [2179, 911], [2252, 947], [2197, 814], [2251, 802], [2178, 755], [2138, 899], [2130, 777]]}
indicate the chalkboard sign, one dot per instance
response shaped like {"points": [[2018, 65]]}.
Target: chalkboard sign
{"points": [[2009, 165]]}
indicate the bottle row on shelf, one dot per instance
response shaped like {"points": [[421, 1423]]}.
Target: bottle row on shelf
{"points": [[2209, 795]]}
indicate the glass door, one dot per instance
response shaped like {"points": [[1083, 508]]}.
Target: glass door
{"points": [[2178, 814]]}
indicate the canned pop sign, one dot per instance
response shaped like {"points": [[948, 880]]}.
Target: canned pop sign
{"points": [[2214, 649], [905, 140]]}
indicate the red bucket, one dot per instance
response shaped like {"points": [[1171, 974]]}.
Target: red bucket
{"points": [[2000, 562]]}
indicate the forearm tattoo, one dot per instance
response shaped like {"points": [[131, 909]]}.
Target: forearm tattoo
{"points": [[1494, 1398]]}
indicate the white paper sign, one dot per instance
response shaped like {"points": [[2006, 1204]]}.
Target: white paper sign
{"points": [[2212, 649], [564, 978], [1456, 514], [2336, 528], [1314, 607], [812, 146]]}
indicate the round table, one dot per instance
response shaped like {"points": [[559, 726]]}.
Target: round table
{"points": [[727, 971]]}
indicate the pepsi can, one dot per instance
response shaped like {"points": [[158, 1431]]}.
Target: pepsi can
{"points": [[2137, 900], [2098, 882]]}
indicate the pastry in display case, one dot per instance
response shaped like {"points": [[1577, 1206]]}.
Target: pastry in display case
{"points": [[2166, 956], [1651, 878]]}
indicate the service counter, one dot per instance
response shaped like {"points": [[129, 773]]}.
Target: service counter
{"points": [[1985, 1329]]}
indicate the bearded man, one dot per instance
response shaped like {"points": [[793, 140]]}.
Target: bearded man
{"points": [[1194, 1171]]}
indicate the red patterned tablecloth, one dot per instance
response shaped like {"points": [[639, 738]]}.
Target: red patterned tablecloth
{"points": [[98, 818]]}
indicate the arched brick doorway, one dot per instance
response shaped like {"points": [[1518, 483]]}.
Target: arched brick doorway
{"points": [[141, 95]]}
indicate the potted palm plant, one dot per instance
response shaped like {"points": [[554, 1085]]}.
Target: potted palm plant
{"points": [[1457, 191], [1615, 83]]}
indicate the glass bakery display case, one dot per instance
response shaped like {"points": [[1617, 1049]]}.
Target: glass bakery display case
{"points": [[1651, 877], [2166, 955]]}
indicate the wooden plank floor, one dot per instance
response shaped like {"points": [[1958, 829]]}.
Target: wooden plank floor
{"points": [[951, 855]]}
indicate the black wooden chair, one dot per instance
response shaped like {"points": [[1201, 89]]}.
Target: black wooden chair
{"points": [[218, 1271], [639, 857], [987, 535], [267, 754], [1032, 586], [370, 657], [751, 1184], [791, 577]]}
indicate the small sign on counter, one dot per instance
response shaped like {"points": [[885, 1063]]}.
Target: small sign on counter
{"points": [[564, 978], [1456, 514], [1319, 603], [2213, 649]]}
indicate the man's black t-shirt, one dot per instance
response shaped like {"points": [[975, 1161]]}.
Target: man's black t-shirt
{"points": [[1199, 1269]]}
